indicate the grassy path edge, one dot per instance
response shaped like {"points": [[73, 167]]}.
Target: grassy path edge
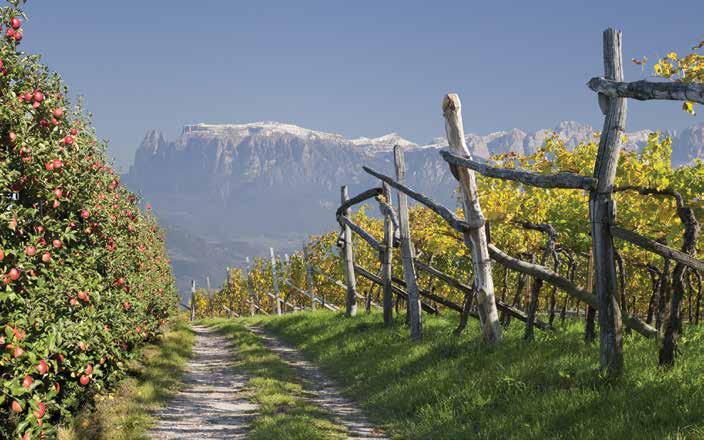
{"points": [[127, 413]]}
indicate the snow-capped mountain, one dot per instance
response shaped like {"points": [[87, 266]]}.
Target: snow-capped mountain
{"points": [[227, 189], [383, 143]]}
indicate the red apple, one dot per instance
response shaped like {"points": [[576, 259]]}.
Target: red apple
{"points": [[16, 407], [89, 369], [14, 274], [41, 410], [85, 214], [15, 23], [42, 367], [58, 113], [38, 96], [46, 257], [27, 382], [85, 380], [57, 243], [30, 251]]}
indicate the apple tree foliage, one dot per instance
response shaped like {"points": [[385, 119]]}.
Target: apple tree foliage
{"points": [[84, 276]]}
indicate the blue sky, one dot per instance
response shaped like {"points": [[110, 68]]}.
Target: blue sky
{"points": [[359, 68]]}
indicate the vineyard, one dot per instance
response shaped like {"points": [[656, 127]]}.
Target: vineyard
{"points": [[85, 277], [562, 249]]}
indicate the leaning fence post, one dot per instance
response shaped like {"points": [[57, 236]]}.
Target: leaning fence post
{"points": [[476, 239], [348, 261], [309, 276], [275, 281], [193, 300], [602, 212], [407, 251], [387, 259]]}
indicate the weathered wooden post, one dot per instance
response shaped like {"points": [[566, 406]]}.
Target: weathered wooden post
{"points": [[602, 211], [475, 239], [275, 281], [309, 276], [287, 279], [407, 250], [387, 259], [250, 290], [209, 295], [193, 300], [348, 262]]}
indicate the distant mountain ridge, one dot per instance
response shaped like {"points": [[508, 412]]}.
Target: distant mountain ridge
{"points": [[242, 187]]}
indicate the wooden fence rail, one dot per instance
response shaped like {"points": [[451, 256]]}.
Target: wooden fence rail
{"points": [[612, 93]]}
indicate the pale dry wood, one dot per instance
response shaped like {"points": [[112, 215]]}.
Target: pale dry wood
{"points": [[647, 90], [390, 225], [193, 300], [395, 289], [348, 260], [602, 209], [407, 251], [657, 248], [275, 280], [345, 222], [359, 198], [467, 290], [475, 238], [559, 180], [250, 290], [564, 284], [309, 275], [456, 223]]}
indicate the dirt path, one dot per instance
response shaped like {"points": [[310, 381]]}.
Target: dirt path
{"points": [[326, 395], [211, 402]]}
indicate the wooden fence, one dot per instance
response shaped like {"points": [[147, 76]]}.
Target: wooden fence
{"points": [[480, 301]]}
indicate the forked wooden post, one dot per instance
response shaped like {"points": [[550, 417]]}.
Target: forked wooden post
{"points": [[386, 260], [407, 251], [275, 280], [602, 212], [309, 276], [476, 238], [348, 261], [193, 300], [250, 290]]}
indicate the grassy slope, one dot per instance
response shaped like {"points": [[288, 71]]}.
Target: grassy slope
{"points": [[127, 414], [283, 413], [448, 387]]}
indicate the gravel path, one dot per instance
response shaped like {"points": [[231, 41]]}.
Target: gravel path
{"points": [[210, 404], [326, 395]]}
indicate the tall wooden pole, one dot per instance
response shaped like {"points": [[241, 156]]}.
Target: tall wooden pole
{"points": [[602, 210], [250, 290], [209, 295], [193, 300], [407, 251], [309, 275], [476, 239], [348, 261], [275, 281], [387, 259]]}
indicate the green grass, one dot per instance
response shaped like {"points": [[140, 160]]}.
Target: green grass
{"points": [[127, 414], [456, 388], [284, 413]]}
